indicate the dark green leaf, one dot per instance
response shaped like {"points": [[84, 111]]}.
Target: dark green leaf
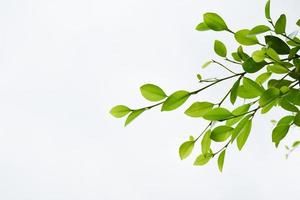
{"points": [[175, 100], [243, 38], [251, 66], [242, 54], [268, 96], [186, 149], [217, 114], [277, 44], [243, 135], [297, 119], [134, 114], [119, 111], [259, 29], [280, 24], [294, 96], [298, 22], [220, 48], [221, 160], [279, 83], [152, 92], [221, 133], [214, 22], [268, 107], [198, 109], [285, 104]]}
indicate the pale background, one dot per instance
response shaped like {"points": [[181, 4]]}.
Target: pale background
{"points": [[64, 64]]}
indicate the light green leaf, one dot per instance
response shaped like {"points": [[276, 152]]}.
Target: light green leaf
{"points": [[199, 77], [119, 111], [152, 92], [277, 69], [186, 149], [259, 30], [238, 111], [252, 86], [220, 48], [258, 56], [221, 133], [134, 114], [268, 96], [175, 100], [198, 109], [202, 27], [278, 133], [243, 136], [273, 55], [206, 141], [234, 91], [214, 22], [297, 119], [269, 106], [240, 127], [206, 64], [280, 24], [202, 159], [267, 10], [243, 38], [263, 77], [221, 160], [236, 56], [217, 114], [286, 120]]}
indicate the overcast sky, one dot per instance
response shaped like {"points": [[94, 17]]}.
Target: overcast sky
{"points": [[65, 63]]}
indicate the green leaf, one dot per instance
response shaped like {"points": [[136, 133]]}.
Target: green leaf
{"points": [[236, 57], [279, 83], [202, 27], [221, 160], [268, 107], [297, 119], [186, 149], [243, 136], [243, 38], [294, 96], [277, 69], [267, 10], [199, 77], [134, 114], [268, 96], [220, 48], [240, 127], [286, 120], [206, 64], [152, 92], [199, 109], [273, 55], [221, 133], [234, 91], [298, 22], [245, 93], [214, 22], [206, 141], [252, 86], [217, 114], [295, 144], [280, 24], [263, 77], [242, 54], [258, 56], [119, 111], [175, 100], [238, 111], [285, 104], [278, 133], [259, 30], [202, 159], [251, 66], [277, 44]]}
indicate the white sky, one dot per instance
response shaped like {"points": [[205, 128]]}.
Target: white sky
{"points": [[64, 64]]}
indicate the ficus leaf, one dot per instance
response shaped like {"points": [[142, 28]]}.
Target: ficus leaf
{"points": [[238, 111], [120, 111], [217, 114], [202, 27], [268, 96], [175, 100], [214, 22], [134, 114], [186, 149], [240, 127], [205, 142], [221, 160], [221, 133], [198, 109], [258, 56], [280, 24], [252, 86], [243, 135], [277, 44], [263, 77], [152, 92], [234, 91], [243, 38], [220, 48], [251, 66], [279, 132], [202, 159], [259, 30]]}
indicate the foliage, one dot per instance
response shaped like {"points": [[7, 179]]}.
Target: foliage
{"points": [[275, 64]]}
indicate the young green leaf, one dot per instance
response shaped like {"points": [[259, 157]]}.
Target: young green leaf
{"points": [[243, 136], [273, 55], [258, 56], [243, 38], [221, 133], [267, 10], [186, 149], [119, 111], [259, 30], [199, 77], [285, 104], [134, 114], [297, 119], [202, 27], [206, 64], [240, 127], [234, 91], [214, 22], [198, 109], [206, 141], [252, 86], [202, 159], [268, 96], [263, 77], [237, 112], [277, 44], [286, 120], [152, 92], [278, 133], [220, 48], [175, 100], [277, 69], [221, 160], [217, 114], [236, 57], [280, 24]]}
